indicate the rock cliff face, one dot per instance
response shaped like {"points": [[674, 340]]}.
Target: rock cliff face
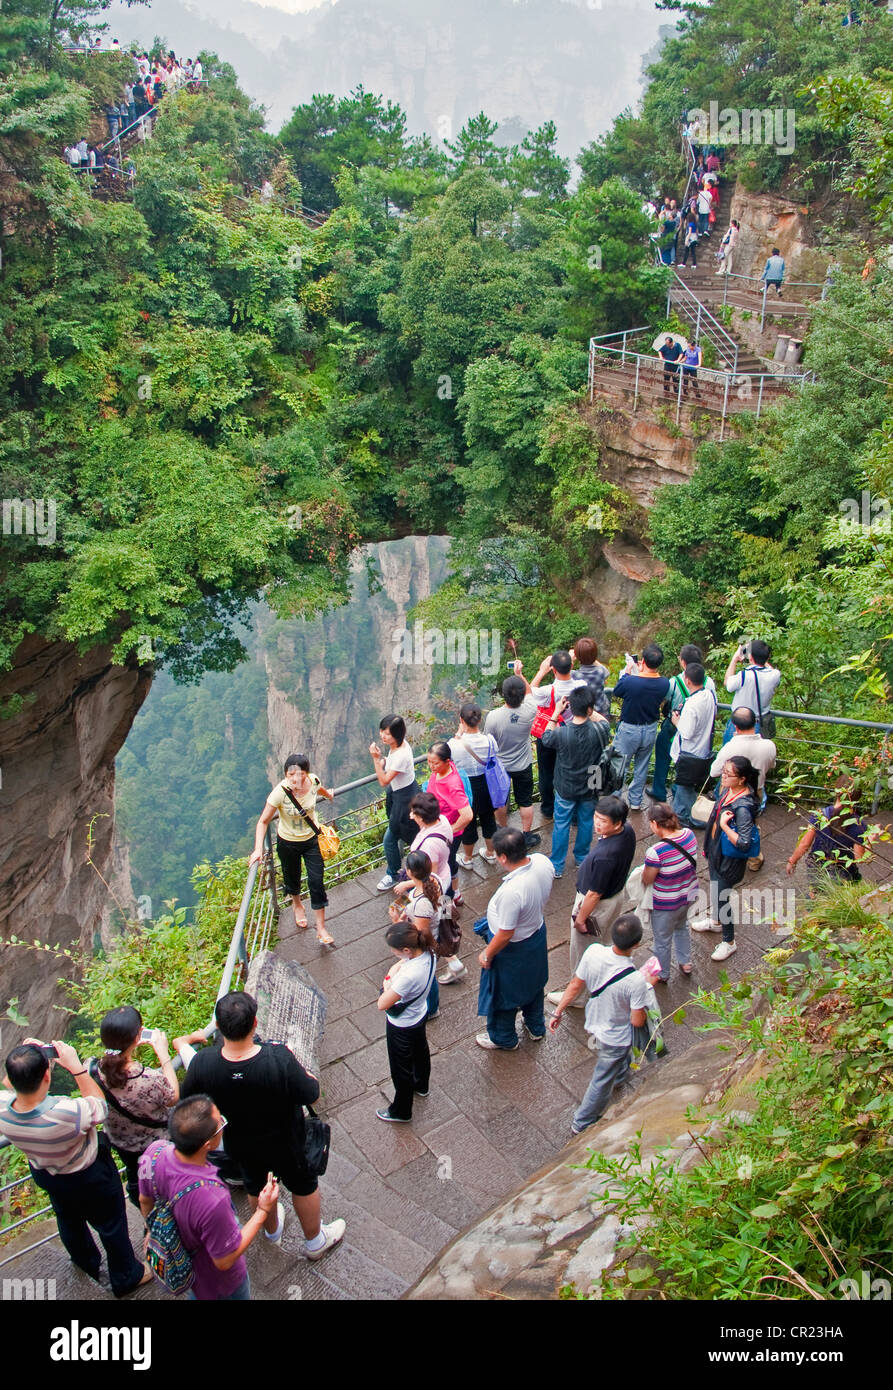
{"points": [[331, 708], [58, 779], [769, 220]]}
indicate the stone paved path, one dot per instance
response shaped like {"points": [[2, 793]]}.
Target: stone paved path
{"points": [[491, 1119]]}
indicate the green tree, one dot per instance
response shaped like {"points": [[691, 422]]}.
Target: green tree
{"points": [[473, 147], [612, 280]]}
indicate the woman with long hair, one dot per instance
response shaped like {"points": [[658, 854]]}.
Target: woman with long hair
{"points": [[297, 839], [396, 773], [671, 868], [423, 908], [139, 1097], [404, 1000], [728, 840]]}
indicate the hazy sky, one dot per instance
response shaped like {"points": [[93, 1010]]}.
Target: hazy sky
{"points": [[577, 62]]}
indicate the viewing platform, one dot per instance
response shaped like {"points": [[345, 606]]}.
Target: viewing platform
{"points": [[490, 1121]]}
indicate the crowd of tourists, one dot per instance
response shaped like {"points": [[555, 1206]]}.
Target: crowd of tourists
{"points": [[236, 1116], [133, 111]]}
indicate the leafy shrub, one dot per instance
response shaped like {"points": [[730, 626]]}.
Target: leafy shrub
{"points": [[802, 1197]]}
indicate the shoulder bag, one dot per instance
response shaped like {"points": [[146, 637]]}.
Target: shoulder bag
{"points": [[317, 1142], [692, 771], [498, 781], [767, 721], [327, 836], [397, 1009], [621, 975]]}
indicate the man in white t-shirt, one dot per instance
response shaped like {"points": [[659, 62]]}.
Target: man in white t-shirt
{"points": [[618, 996], [515, 962], [747, 743], [753, 687]]}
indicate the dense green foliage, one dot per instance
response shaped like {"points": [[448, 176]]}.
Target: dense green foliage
{"points": [[189, 368], [799, 1198]]}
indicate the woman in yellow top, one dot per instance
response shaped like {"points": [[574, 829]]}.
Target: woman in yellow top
{"points": [[296, 840]]}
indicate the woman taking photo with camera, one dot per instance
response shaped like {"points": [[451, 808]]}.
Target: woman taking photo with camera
{"points": [[404, 1000], [730, 839], [396, 772], [297, 839], [139, 1098]]}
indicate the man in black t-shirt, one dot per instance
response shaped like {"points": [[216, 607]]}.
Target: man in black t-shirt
{"points": [[578, 746], [260, 1089], [600, 882], [670, 351]]}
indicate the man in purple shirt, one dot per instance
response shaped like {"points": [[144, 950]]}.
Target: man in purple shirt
{"points": [[205, 1217]]}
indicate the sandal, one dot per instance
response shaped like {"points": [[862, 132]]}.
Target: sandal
{"points": [[325, 940], [301, 923], [685, 969]]}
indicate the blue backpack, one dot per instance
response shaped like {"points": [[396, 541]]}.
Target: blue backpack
{"points": [[168, 1258]]}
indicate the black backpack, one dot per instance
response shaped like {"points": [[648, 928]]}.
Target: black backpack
{"points": [[609, 773]]}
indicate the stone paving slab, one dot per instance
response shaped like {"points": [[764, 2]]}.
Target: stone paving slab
{"points": [[491, 1120]]}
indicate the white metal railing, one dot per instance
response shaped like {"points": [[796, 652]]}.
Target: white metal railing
{"points": [[728, 392], [761, 287], [705, 325], [798, 752]]}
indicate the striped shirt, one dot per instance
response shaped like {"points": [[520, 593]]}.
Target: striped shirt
{"points": [[59, 1135], [676, 882]]}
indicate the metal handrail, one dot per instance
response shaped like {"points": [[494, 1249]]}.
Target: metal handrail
{"points": [[238, 952], [678, 296], [622, 333], [719, 374], [745, 382]]}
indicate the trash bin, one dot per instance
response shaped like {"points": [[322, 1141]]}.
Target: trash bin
{"points": [[794, 352], [781, 347]]}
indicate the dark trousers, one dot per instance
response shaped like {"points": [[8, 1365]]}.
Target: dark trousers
{"points": [[545, 762], [665, 737], [501, 1022], [131, 1169], [292, 853], [482, 808], [721, 888], [94, 1198], [410, 1063]]}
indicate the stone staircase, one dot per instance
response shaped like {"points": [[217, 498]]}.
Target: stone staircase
{"points": [[712, 290]]}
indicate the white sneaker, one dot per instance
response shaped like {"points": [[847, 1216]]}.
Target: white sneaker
{"points": [[465, 863], [705, 924], [276, 1237], [490, 858], [452, 977], [724, 950], [484, 1040], [555, 996], [384, 884], [334, 1234]]}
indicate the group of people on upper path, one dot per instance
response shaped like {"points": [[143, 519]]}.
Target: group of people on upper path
{"points": [[136, 108]]}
